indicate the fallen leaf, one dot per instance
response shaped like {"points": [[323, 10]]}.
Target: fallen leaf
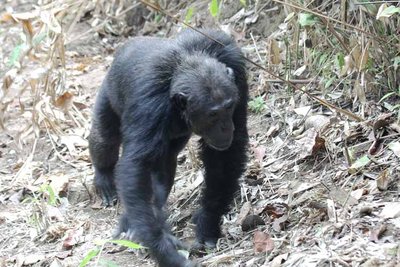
{"points": [[331, 210], [274, 55], [377, 232], [276, 210], [391, 210], [33, 258], [303, 111], [263, 242], [278, 260], [279, 223], [64, 101], [54, 214], [244, 211], [259, 153], [359, 164], [59, 184], [72, 238], [383, 180], [318, 122], [395, 147], [342, 197], [357, 194], [300, 71], [311, 143]]}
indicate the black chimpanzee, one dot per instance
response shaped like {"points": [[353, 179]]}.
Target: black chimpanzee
{"points": [[155, 95]]}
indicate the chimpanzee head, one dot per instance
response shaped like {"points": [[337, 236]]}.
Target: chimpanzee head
{"points": [[204, 90]]}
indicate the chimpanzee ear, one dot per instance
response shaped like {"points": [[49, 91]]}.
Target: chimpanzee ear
{"points": [[230, 72], [180, 100]]}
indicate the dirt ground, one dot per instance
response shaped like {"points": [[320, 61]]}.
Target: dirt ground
{"points": [[301, 203]]}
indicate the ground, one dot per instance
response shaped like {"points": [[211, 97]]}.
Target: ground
{"points": [[321, 188]]}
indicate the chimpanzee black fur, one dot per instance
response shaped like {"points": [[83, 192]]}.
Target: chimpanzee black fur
{"points": [[155, 95]]}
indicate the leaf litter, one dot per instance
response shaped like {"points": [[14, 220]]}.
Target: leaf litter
{"points": [[320, 188]]}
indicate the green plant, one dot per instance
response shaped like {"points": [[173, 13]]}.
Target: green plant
{"points": [[214, 8], [257, 104], [96, 251]]}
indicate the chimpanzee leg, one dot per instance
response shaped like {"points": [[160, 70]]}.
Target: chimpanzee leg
{"points": [[222, 171], [139, 220], [104, 142]]}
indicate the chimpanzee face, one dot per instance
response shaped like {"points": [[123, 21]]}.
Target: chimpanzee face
{"points": [[208, 99]]}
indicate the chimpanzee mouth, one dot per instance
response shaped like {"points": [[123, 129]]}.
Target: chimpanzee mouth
{"points": [[219, 148]]}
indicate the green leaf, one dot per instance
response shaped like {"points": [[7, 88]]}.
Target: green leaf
{"points": [[15, 54], [243, 2], [214, 8], [107, 263], [359, 164], [306, 19], [39, 38], [396, 63], [189, 15], [389, 11], [257, 104], [121, 242], [340, 61], [93, 253], [126, 243], [386, 96]]}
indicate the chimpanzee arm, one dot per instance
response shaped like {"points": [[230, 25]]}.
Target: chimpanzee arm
{"points": [[139, 220], [222, 171]]}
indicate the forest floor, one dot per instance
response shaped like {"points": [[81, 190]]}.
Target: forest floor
{"points": [[302, 201]]}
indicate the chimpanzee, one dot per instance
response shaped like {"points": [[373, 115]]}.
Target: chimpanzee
{"points": [[155, 95]]}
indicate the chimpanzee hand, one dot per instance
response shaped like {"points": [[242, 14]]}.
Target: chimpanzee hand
{"points": [[105, 188]]}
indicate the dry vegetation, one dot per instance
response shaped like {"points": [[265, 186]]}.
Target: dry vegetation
{"points": [[322, 186]]}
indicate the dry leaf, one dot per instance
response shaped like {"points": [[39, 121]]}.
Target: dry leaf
{"points": [[359, 92], [276, 210], [383, 180], [331, 210], [259, 153], [300, 71], [33, 258], [304, 111], [274, 53], [59, 183], [279, 223], [278, 260], [64, 101], [72, 238], [318, 122], [357, 194], [244, 211], [342, 197], [377, 232], [262, 242], [395, 147], [391, 210], [311, 143]]}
